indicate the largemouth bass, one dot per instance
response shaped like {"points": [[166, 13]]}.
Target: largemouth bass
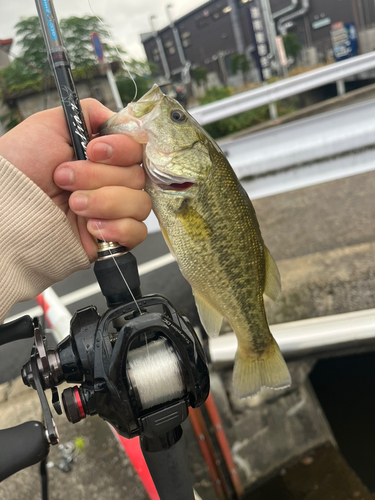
{"points": [[210, 227]]}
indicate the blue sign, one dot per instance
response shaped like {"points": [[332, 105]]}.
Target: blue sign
{"points": [[260, 41], [98, 47], [344, 40]]}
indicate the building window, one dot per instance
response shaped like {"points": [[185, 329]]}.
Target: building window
{"points": [[170, 48], [221, 13], [155, 55], [186, 39], [202, 22]]}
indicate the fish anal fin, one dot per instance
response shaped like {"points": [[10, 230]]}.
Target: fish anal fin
{"points": [[210, 318], [251, 373], [272, 287]]}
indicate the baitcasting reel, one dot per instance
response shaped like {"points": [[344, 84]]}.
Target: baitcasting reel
{"points": [[140, 372]]}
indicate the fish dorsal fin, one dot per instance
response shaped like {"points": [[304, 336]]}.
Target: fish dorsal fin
{"points": [[272, 286], [210, 318]]}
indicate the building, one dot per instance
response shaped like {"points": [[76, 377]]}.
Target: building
{"points": [[207, 39], [311, 21], [210, 34]]}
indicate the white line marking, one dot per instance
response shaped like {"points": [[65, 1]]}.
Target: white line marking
{"points": [[88, 291]]}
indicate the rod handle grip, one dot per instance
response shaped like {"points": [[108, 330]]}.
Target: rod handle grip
{"points": [[21, 447], [21, 328]]}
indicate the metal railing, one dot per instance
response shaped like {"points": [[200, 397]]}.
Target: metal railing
{"points": [[283, 89], [309, 337]]}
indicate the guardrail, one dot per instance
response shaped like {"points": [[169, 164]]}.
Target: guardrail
{"points": [[289, 87], [313, 140]]}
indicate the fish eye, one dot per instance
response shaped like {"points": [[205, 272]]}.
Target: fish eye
{"points": [[178, 116]]}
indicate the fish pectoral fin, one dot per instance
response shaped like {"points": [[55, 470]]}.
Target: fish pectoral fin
{"points": [[272, 286], [210, 318], [251, 373], [167, 240], [193, 223]]}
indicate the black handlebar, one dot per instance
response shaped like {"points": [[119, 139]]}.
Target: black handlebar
{"points": [[21, 328], [22, 446]]}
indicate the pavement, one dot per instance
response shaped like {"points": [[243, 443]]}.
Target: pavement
{"points": [[323, 240]]}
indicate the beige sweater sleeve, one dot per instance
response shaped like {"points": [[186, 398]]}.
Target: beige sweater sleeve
{"points": [[37, 244]]}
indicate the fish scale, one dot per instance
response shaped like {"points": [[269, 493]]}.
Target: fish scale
{"points": [[211, 228]]}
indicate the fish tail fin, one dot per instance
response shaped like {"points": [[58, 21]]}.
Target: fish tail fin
{"points": [[251, 373]]}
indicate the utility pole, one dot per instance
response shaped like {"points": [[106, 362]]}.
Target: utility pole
{"points": [[237, 31], [271, 33], [159, 44], [185, 73], [98, 48], [176, 35]]}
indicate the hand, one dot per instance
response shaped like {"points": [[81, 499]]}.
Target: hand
{"points": [[105, 191]]}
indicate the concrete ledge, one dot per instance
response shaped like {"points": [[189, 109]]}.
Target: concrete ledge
{"points": [[325, 283]]}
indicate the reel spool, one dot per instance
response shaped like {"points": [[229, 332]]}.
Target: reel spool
{"points": [[155, 373]]}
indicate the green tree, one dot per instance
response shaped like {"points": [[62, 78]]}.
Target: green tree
{"points": [[126, 87], [32, 48], [77, 31], [291, 45], [239, 62], [200, 75], [28, 70]]}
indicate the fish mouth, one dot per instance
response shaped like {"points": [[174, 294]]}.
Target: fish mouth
{"points": [[168, 182], [131, 120], [176, 186]]}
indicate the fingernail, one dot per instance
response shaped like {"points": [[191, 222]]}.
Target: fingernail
{"points": [[64, 176], [79, 202], [102, 151]]}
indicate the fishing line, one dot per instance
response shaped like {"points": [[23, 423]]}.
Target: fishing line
{"points": [[119, 270], [125, 66], [166, 382]]}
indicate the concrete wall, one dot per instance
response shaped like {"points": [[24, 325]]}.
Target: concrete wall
{"points": [[367, 40], [4, 59], [97, 88]]}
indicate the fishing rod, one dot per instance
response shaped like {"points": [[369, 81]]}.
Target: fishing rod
{"points": [[139, 366], [60, 65]]}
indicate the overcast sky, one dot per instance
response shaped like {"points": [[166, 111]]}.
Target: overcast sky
{"points": [[126, 18]]}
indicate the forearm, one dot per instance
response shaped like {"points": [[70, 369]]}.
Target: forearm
{"points": [[38, 245]]}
